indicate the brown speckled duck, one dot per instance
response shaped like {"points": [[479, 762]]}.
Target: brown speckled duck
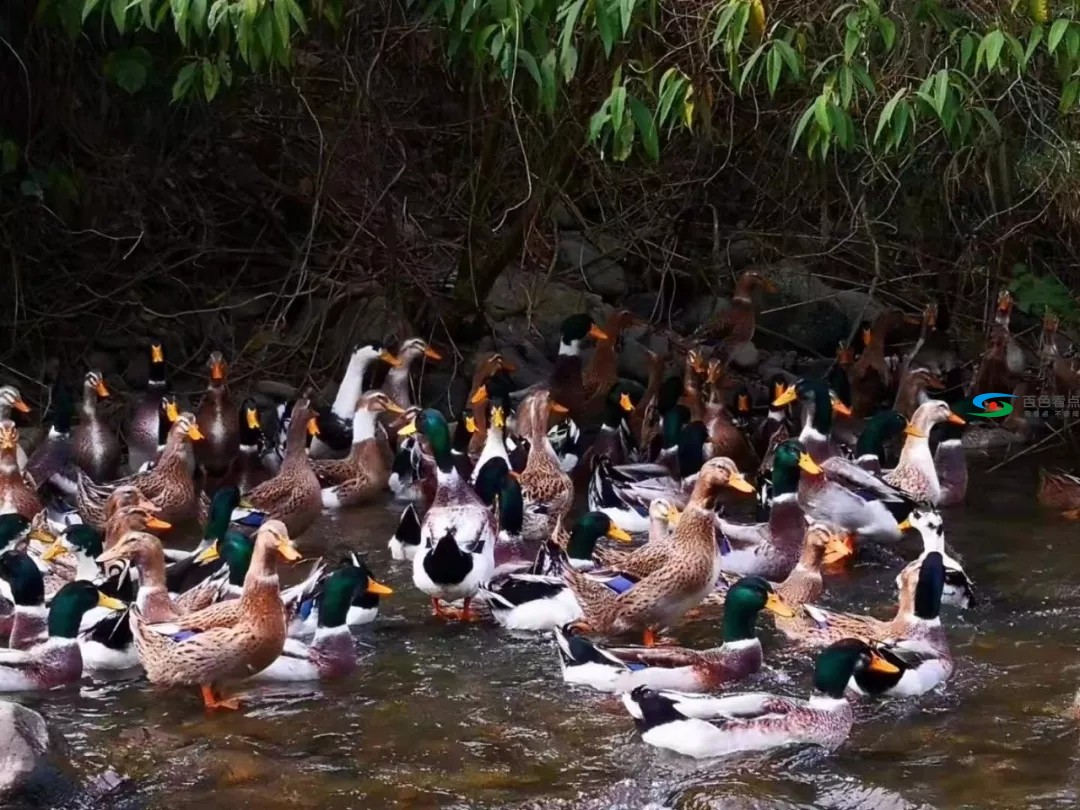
{"points": [[686, 578], [167, 484], [293, 496], [142, 429], [547, 491], [364, 473], [226, 641], [219, 421], [398, 385], [16, 496], [94, 445]]}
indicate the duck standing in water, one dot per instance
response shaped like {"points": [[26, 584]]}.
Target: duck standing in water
{"points": [[94, 445], [218, 420]]}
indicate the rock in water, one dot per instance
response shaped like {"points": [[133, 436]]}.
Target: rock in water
{"points": [[24, 740]]}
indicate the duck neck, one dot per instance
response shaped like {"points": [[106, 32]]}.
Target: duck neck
{"points": [[89, 402], [351, 385], [739, 624], [262, 573], [363, 426], [785, 480]]}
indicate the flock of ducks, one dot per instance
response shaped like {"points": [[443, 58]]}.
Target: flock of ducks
{"points": [[704, 489]]}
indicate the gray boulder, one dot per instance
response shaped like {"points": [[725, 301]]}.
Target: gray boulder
{"points": [[603, 274]]}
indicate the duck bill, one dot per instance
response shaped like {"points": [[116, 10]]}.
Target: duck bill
{"points": [[408, 430], [157, 523], [313, 427], [840, 408], [172, 411], [470, 424], [102, 389], [904, 525], [56, 549], [110, 602], [393, 407], [389, 359], [252, 417], [836, 550], [673, 516], [217, 371], [786, 398], [431, 354], [775, 604], [598, 333], [157, 355], [208, 555], [479, 395], [20, 406], [557, 408], [108, 556], [288, 551], [807, 464], [195, 434], [615, 533], [736, 481], [911, 430], [625, 403], [867, 337], [956, 420], [879, 664], [378, 588], [497, 418], [42, 536]]}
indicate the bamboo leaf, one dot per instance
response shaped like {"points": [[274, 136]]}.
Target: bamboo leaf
{"points": [[887, 112], [211, 79], [119, 14], [988, 116], [995, 40], [1068, 95], [790, 57], [774, 63], [1057, 31], [821, 114], [804, 120], [185, 78], [941, 90], [847, 85], [888, 32], [528, 61], [88, 8], [549, 83], [1034, 39], [646, 127], [852, 38], [670, 85], [967, 49]]}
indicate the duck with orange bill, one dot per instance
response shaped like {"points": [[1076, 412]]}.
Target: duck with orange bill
{"points": [[916, 475], [458, 533], [218, 419], [16, 495], [548, 492], [94, 445], [141, 431], [11, 400]]}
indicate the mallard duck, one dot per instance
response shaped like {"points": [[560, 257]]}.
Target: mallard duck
{"points": [[642, 561], [487, 365], [879, 430], [917, 615], [142, 429], [11, 400], [457, 537], [1060, 490], [687, 577], [615, 442], [107, 644], [935, 350], [547, 490], [804, 585], [958, 589], [566, 383], [16, 495], [293, 496], [364, 473], [702, 727], [912, 390], [647, 406], [361, 609], [94, 445], [26, 589], [406, 539], [735, 326], [53, 455], [1003, 361], [168, 484], [771, 549], [218, 420], [398, 385], [332, 652], [775, 427], [601, 372], [229, 640], [916, 474], [540, 599], [56, 661], [167, 416], [145, 553], [247, 470], [871, 376], [620, 669], [493, 461]]}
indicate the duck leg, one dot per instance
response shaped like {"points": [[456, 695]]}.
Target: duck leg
{"points": [[654, 639], [212, 702]]}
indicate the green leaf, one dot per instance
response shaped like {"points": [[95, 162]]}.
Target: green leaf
{"points": [[297, 14], [528, 61], [900, 121], [568, 61], [1033, 42], [988, 116], [967, 49], [87, 10], [888, 32], [852, 38], [198, 16], [618, 104], [129, 68], [264, 27], [608, 26], [941, 90], [184, 81], [646, 127], [598, 119], [864, 79], [847, 85], [1057, 31], [748, 68], [738, 27], [804, 119], [725, 20], [119, 14], [989, 50], [180, 19], [1072, 42], [790, 57], [1068, 95], [887, 112], [773, 65], [549, 85], [224, 66], [211, 79], [217, 11], [671, 83], [9, 156], [281, 21], [626, 13], [821, 114]]}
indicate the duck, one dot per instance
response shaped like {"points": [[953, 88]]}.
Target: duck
{"points": [[871, 377], [565, 383], [912, 390], [332, 652], [399, 385], [1003, 362], [539, 599], [915, 474], [94, 445], [493, 460], [615, 440], [11, 400], [229, 640], [16, 495], [680, 584], [487, 365], [218, 420], [144, 552], [1059, 490], [771, 549], [601, 372], [294, 495], [621, 669], [548, 492], [52, 457], [25, 587], [774, 428], [142, 429], [457, 536], [703, 727], [167, 485], [958, 589], [735, 326], [640, 419], [246, 470], [642, 561], [805, 585], [361, 609], [57, 661], [363, 474], [70, 556], [878, 431], [107, 645], [950, 461], [167, 416], [917, 619], [405, 541]]}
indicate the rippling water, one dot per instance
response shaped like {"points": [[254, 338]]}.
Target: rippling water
{"points": [[470, 717]]}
